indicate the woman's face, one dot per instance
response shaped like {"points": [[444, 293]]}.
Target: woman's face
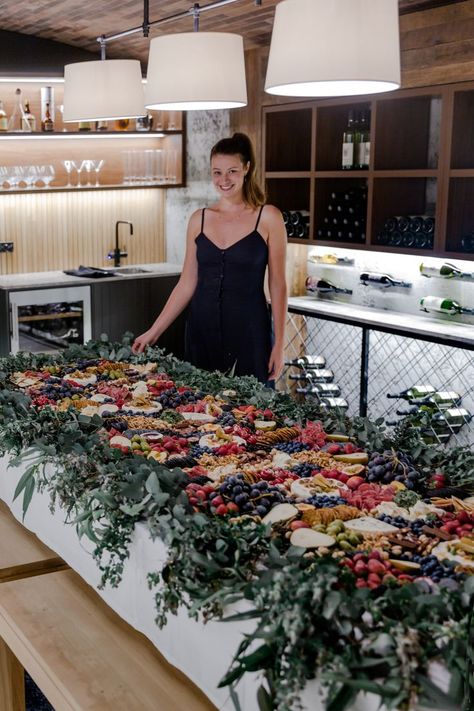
{"points": [[228, 173]]}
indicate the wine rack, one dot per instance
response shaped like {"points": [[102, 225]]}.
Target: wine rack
{"points": [[421, 164]]}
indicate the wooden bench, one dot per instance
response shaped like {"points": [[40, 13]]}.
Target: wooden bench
{"points": [[79, 652]]}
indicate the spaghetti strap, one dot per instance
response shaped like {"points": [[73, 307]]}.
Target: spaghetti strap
{"points": [[202, 219], [258, 218]]}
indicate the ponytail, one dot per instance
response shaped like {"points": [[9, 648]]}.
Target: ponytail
{"points": [[241, 145]]}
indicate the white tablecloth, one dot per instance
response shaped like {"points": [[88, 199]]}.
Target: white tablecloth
{"points": [[202, 652]]}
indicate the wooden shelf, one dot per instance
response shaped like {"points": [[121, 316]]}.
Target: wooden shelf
{"points": [[421, 163]]}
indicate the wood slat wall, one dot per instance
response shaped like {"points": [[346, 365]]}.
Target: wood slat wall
{"points": [[61, 231]]}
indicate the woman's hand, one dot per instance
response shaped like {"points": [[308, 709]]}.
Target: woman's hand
{"points": [[141, 342], [276, 362]]}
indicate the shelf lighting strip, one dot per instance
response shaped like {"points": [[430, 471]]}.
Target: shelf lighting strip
{"points": [[75, 136]]}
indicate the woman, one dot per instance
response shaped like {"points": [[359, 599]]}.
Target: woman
{"points": [[229, 246]]}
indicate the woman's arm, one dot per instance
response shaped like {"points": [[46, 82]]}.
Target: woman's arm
{"points": [[277, 286], [181, 294]]}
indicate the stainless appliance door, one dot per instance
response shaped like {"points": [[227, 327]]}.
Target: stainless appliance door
{"points": [[49, 320]]}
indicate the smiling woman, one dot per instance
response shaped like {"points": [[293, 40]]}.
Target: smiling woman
{"points": [[229, 247]]}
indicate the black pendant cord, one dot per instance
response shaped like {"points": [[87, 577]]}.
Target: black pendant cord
{"points": [[146, 18]]}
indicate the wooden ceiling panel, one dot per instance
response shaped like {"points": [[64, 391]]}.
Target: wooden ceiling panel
{"points": [[79, 24]]}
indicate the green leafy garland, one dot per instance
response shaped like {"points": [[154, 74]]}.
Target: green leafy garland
{"points": [[309, 615]]}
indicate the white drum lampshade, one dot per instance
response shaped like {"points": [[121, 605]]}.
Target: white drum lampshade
{"points": [[334, 48], [104, 90], [196, 71]]}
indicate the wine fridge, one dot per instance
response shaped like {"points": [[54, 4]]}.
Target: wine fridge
{"points": [[49, 320]]}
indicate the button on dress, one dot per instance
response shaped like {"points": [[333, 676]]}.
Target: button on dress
{"points": [[229, 324]]}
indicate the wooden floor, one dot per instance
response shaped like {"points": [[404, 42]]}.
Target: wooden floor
{"points": [[79, 652]]}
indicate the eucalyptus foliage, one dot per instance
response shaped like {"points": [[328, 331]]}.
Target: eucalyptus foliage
{"points": [[310, 620]]}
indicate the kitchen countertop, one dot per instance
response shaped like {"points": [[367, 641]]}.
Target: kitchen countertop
{"points": [[425, 326], [35, 280]]}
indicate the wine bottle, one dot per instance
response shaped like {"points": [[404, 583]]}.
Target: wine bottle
{"points": [[428, 225], [383, 280], [437, 304], [316, 375], [47, 125], [322, 286], [321, 390], [348, 142], [334, 403], [416, 392], [445, 271], [362, 143], [298, 217], [454, 417], [3, 118], [416, 223], [441, 399], [308, 361], [290, 230], [16, 118], [28, 121]]}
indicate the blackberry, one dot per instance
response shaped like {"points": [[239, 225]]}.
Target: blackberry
{"points": [[180, 461]]}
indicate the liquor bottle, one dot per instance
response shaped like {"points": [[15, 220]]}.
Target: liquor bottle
{"points": [[84, 126], [122, 124], [362, 144], [382, 280], [101, 125], [322, 286], [446, 271], [320, 390], [416, 392], [316, 375], [308, 362], [47, 125], [348, 143], [3, 118], [28, 121], [436, 304], [16, 118]]}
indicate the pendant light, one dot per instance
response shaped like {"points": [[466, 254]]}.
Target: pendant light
{"points": [[196, 70], [104, 90], [334, 48]]}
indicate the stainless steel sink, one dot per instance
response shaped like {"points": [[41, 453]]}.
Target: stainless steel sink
{"points": [[130, 270]]}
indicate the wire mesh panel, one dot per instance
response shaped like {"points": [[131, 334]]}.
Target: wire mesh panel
{"points": [[340, 344], [398, 363]]}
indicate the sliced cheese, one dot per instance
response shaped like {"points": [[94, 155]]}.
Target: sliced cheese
{"points": [[367, 524], [307, 538], [201, 418], [280, 513]]}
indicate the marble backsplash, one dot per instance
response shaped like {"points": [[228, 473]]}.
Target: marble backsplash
{"points": [[204, 129]]}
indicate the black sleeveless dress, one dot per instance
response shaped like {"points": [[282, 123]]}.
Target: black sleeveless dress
{"points": [[229, 324]]}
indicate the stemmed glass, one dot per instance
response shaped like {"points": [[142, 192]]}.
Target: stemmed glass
{"points": [[48, 174], [69, 166], [80, 167], [4, 176], [88, 165], [97, 165]]}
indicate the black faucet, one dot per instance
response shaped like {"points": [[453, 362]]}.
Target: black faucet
{"points": [[117, 252]]}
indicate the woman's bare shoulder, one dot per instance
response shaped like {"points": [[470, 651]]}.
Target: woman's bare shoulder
{"points": [[270, 212]]}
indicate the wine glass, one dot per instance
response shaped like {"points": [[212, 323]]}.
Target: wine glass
{"points": [[69, 166], [4, 176], [80, 167], [97, 165], [48, 174], [88, 165]]}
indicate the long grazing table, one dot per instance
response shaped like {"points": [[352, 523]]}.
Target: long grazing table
{"points": [[203, 652]]}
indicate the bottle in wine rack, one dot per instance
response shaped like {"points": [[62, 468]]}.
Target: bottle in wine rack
{"points": [[382, 280], [453, 417], [3, 118], [323, 286], [362, 144], [445, 271], [316, 375], [437, 304], [308, 361], [416, 392], [348, 143], [441, 399], [320, 390], [334, 403]]}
